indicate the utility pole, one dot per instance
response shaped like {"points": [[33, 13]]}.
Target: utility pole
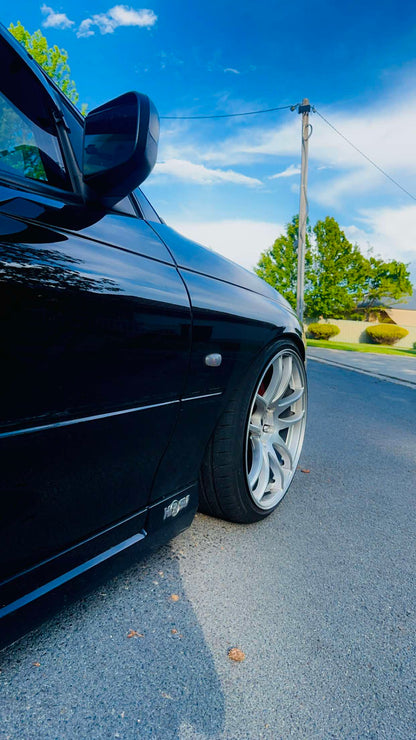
{"points": [[304, 109]]}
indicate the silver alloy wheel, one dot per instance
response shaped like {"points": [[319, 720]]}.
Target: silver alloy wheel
{"points": [[276, 429]]}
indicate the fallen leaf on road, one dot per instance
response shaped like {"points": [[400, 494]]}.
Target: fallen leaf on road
{"points": [[166, 696], [304, 470], [236, 654], [133, 633], [174, 597], [36, 664], [174, 632]]}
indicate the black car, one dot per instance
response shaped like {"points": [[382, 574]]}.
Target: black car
{"points": [[142, 375]]}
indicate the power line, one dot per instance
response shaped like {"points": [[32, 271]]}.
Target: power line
{"points": [[380, 169], [226, 115], [293, 107]]}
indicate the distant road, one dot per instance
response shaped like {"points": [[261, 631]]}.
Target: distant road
{"points": [[397, 367]]}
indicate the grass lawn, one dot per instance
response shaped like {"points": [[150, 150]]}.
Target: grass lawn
{"points": [[350, 347]]}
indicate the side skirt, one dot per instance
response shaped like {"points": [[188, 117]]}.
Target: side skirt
{"points": [[28, 598]]}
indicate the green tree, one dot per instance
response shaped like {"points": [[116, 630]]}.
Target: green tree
{"points": [[278, 264], [385, 282], [337, 273], [51, 58]]}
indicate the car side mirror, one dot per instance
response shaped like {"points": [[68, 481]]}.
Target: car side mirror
{"points": [[120, 145]]}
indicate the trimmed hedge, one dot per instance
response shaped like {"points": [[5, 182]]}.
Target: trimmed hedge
{"points": [[386, 333], [323, 331]]}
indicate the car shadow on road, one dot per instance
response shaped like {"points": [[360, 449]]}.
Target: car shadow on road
{"points": [[80, 675]]}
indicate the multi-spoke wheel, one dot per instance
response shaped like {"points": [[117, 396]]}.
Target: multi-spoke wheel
{"points": [[253, 454], [275, 429]]}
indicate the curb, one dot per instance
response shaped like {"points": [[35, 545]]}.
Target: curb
{"points": [[380, 376]]}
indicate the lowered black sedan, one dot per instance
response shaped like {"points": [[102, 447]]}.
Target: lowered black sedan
{"points": [[142, 375]]}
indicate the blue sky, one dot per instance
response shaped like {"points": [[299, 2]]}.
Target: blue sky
{"points": [[234, 183]]}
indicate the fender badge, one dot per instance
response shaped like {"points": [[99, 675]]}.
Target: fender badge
{"points": [[175, 507]]}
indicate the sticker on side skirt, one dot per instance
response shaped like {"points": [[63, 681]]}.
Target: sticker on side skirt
{"points": [[175, 507]]}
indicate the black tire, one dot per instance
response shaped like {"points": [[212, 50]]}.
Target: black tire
{"points": [[243, 442]]}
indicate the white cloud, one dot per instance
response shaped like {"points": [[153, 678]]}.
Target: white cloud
{"points": [[374, 209], [339, 177], [232, 70], [55, 20], [360, 181], [198, 173], [84, 28], [119, 15], [288, 172], [340, 170], [241, 240], [256, 143], [390, 231]]}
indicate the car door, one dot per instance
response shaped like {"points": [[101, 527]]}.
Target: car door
{"points": [[95, 339]]}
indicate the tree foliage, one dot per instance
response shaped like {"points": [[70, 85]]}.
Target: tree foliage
{"points": [[336, 272], [278, 264], [337, 275], [51, 58], [385, 281]]}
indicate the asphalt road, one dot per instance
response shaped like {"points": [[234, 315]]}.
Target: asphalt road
{"points": [[320, 598]]}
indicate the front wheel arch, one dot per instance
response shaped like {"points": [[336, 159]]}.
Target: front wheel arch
{"points": [[251, 458]]}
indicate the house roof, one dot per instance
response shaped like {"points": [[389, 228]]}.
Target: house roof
{"points": [[408, 304]]}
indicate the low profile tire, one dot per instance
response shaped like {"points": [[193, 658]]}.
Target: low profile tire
{"points": [[252, 456]]}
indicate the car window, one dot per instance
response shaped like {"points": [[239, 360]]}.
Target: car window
{"points": [[29, 145]]}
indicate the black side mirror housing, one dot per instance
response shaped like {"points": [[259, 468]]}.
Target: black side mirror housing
{"points": [[120, 146]]}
